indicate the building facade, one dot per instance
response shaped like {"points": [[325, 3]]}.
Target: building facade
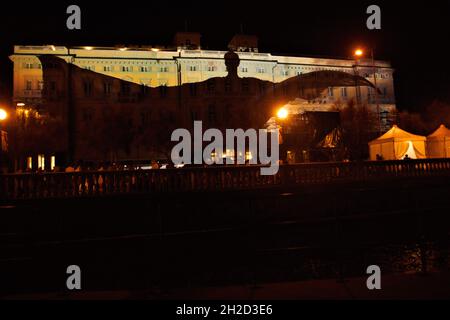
{"points": [[80, 87]]}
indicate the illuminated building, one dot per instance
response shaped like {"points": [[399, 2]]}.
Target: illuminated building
{"points": [[105, 78]]}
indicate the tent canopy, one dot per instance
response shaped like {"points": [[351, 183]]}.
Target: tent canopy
{"points": [[440, 133], [438, 143], [397, 134], [396, 144]]}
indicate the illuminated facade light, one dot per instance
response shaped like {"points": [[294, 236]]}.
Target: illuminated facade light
{"points": [[358, 52], [3, 114], [41, 161], [282, 113], [52, 162], [29, 163], [88, 48], [21, 104]]}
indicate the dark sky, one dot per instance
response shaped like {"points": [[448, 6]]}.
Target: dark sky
{"points": [[414, 36]]}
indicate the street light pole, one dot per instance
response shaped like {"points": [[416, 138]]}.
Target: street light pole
{"points": [[3, 138], [376, 91], [359, 53]]}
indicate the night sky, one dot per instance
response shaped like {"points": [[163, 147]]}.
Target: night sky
{"points": [[414, 37]]}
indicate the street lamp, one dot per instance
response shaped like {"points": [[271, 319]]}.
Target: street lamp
{"points": [[282, 113], [358, 54], [3, 114]]}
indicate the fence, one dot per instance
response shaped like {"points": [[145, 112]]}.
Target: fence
{"points": [[99, 183]]}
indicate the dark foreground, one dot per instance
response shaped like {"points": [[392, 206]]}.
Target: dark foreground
{"points": [[271, 243]]}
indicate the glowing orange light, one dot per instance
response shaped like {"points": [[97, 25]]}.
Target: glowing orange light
{"points": [[282, 113], [358, 52], [20, 104], [3, 114]]}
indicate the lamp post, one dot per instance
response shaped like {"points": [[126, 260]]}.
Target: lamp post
{"points": [[3, 137], [281, 115], [358, 54], [3, 115]]}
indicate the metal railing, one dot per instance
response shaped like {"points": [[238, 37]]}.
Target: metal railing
{"points": [[221, 178]]}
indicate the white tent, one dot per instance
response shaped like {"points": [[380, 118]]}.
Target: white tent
{"points": [[396, 144], [438, 143]]}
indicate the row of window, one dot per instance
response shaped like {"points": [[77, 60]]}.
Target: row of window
{"points": [[128, 69], [51, 85], [48, 65], [41, 162], [370, 92], [193, 68], [125, 87]]}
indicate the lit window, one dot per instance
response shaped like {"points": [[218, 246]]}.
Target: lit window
{"points": [[41, 161], [260, 70], [52, 162], [29, 163]]}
